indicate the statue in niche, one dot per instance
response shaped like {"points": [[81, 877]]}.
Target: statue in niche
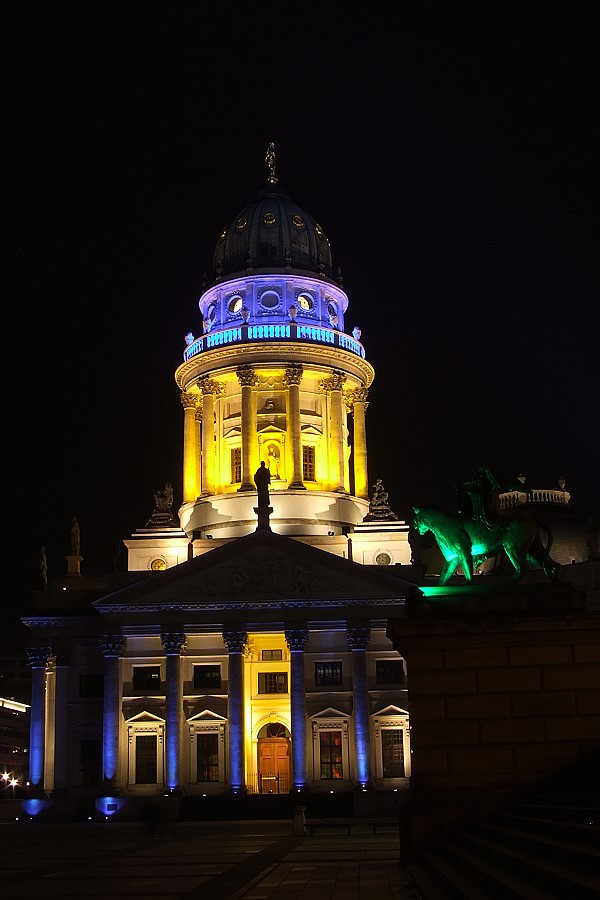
{"points": [[75, 538], [379, 507], [262, 480], [273, 460]]}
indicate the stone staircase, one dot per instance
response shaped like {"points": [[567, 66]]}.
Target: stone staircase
{"points": [[545, 845]]}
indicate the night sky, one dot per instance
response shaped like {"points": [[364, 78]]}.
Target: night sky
{"points": [[450, 157]]}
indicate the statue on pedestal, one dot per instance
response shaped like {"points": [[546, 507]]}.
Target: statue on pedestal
{"points": [[262, 480], [379, 508], [162, 516]]}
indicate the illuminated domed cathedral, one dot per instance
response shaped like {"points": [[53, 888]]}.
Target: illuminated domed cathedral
{"points": [[245, 653]]}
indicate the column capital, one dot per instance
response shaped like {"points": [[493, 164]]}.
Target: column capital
{"points": [[112, 644], [198, 413], [358, 636], [247, 377], [174, 642], [236, 641], [209, 386], [296, 638], [188, 400], [335, 382], [356, 395], [293, 375], [39, 657]]}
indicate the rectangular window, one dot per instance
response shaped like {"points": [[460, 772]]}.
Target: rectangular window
{"points": [[271, 655], [389, 671], [91, 685], [308, 463], [272, 683], [328, 673], [236, 465], [207, 753], [208, 676], [90, 761], [145, 759], [146, 678], [392, 752], [330, 745]]}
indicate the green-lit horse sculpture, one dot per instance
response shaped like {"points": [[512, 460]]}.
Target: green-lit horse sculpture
{"points": [[466, 543]]}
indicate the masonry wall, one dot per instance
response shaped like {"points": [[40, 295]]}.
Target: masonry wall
{"points": [[504, 690]]}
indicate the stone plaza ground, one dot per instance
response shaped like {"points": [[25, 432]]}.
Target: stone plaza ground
{"points": [[255, 860]]}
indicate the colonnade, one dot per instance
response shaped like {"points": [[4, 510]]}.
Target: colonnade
{"points": [[47, 709], [199, 474]]}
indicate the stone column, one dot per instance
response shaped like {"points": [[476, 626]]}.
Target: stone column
{"points": [[209, 389], [296, 640], [198, 427], [113, 647], [190, 447], [333, 386], [61, 703], [358, 639], [236, 644], [358, 402], [38, 658], [292, 379], [247, 379], [173, 644]]}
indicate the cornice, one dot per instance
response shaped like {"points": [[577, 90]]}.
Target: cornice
{"points": [[215, 362]]}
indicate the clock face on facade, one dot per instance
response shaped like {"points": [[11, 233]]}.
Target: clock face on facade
{"points": [[235, 304], [383, 559], [158, 565], [305, 301]]}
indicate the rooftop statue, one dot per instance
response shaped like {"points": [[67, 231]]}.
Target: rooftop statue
{"points": [[162, 515], [262, 480], [74, 537], [379, 508], [466, 540]]}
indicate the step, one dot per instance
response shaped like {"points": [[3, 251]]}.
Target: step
{"points": [[582, 832], [436, 878], [496, 881], [561, 850], [587, 815], [539, 871]]}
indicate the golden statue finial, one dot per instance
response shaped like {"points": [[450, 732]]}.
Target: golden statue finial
{"points": [[270, 161]]}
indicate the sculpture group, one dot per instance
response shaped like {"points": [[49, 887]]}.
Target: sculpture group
{"points": [[466, 541]]}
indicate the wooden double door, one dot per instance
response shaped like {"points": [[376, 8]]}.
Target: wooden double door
{"points": [[273, 765]]}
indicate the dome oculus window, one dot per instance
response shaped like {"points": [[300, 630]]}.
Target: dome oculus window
{"points": [[269, 300], [269, 218], [210, 314], [332, 310], [297, 221], [235, 304], [319, 230], [223, 235], [241, 223], [305, 301]]}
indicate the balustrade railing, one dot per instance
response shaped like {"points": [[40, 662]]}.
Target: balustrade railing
{"points": [[512, 499]]}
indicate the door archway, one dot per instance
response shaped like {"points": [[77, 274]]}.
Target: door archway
{"points": [[273, 752]]}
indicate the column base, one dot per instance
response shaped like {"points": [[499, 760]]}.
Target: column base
{"points": [[296, 486], [246, 487]]}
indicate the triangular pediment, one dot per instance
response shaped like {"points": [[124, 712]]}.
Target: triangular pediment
{"points": [[144, 716], [207, 716], [330, 712], [391, 710], [261, 568]]}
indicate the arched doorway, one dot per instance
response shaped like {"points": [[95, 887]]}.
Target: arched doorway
{"points": [[273, 759]]}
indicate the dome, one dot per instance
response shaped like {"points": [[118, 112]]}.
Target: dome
{"points": [[272, 233]]}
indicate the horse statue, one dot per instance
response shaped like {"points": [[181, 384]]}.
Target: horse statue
{"points": [[467, 542]]}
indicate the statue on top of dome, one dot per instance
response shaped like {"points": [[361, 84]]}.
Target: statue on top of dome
{"points": [[271, 162]]}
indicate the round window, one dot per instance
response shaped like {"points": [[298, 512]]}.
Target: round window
{"points": [[235, 304], [297, 221], [269, 300], [269, 218], [241, 223], [305, 301]]}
